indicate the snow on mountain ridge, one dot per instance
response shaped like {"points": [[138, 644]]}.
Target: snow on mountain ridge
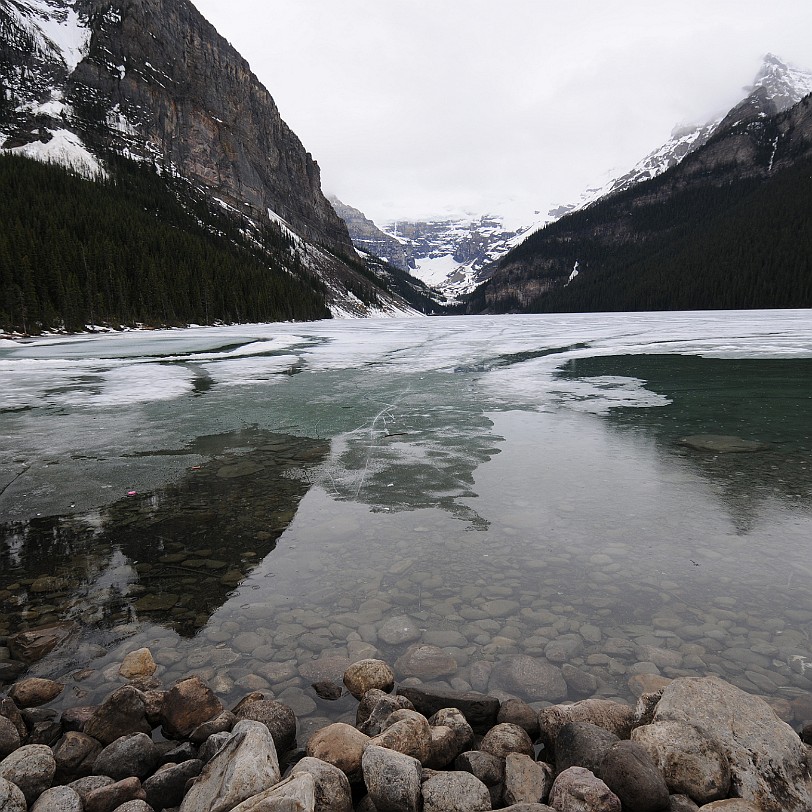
{"points": [[58, 26], [436, 251]]}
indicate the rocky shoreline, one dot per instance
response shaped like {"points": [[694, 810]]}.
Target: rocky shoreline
{"points": [[694, 743]]}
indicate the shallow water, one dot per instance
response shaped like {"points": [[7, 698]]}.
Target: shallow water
{"points": [[260, 505]]}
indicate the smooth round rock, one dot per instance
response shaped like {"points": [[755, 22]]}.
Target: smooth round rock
{"points": [[34, 691], [406, 732], [398, 630], [121, 713], [526, 780], [530, 677], [75, 754], [133, 755], [426, 662], [138, 663], [276, 716], [57, 799], [342, 746], [507, 738], [32, 768], [365, 675]]}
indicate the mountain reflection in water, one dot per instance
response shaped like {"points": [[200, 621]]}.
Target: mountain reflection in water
{"points": [[172, 555]]}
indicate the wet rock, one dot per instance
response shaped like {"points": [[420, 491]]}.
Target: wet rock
{"points": [[426, 662], [518, 712], [392, 780], [32, 768], [689, 759], [32, 645], [455, 792], [579, 682], [581, 744], [276, 716], [46, 732], [488, 768], [138, 663], [578, 790], [375, 708], [327, 690], [364, 675], [246, 765], [222, 723], [167, 787], [57, 799], [132, 755], [480, 710], [766, 756], [188, 703], [11, 797], [34, 691], [112, 796], [564, 648], [123, 712], [342, 746], [75, 754], [399, 630], [332, 788], [406, 732], [536, 679], [613, 716], [722, 444], [328, 667], [506, 738], [630, 773], [9, 737], [526, 780]]}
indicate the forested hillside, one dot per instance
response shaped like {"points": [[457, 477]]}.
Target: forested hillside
{"points": [[136, 247], [733, 247]]}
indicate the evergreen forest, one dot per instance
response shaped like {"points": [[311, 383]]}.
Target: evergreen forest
{"points": [[137, 248]]}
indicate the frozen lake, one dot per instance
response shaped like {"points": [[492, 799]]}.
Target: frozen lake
{"points": [[262, 504]]}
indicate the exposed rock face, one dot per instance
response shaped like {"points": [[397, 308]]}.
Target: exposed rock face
{"points": [[158, 68], [368, 237]]}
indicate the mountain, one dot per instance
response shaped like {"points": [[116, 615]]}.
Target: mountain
{"points": [[454, 255], [727, 227], [88, 82]]}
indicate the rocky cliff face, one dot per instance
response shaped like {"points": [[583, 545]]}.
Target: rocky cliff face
{"points": [[159, 81]]}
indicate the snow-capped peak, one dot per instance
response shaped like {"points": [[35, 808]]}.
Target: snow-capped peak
{"points": [[56, 27], [785, 85]]}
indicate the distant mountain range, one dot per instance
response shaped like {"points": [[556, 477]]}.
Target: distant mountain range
{"points": [[115, 89], [455, 255]]}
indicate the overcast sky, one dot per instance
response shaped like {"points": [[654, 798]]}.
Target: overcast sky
{"points": [[419, 107]]}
